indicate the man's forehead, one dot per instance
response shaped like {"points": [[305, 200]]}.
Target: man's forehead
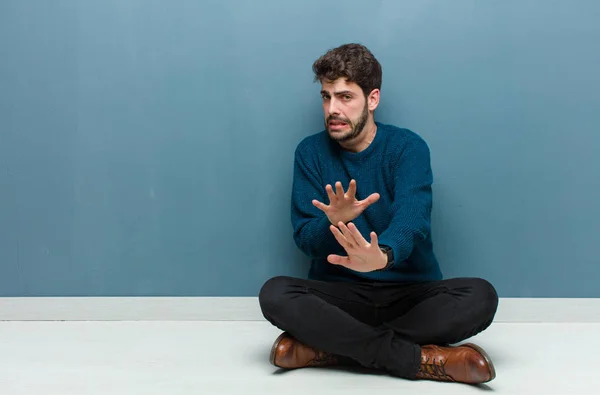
{"points": [[341, 84]]}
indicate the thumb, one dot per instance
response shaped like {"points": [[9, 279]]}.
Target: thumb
{"points": [[319, 205], [372, 198]]}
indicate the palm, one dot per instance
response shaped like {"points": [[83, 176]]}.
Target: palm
{"points": [[362, 256], [348, 209], [344, 207], [357, 259]]}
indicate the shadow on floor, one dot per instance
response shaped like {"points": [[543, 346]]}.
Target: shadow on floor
{"points": [[374, 372]]}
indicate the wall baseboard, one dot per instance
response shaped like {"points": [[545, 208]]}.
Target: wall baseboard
{"points": [[523, 310]]}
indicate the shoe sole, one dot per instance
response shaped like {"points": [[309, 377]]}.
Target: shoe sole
{"points": [[486, 357], [274, 348]]}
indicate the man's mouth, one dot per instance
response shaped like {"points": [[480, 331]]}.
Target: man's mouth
{"points": [[337, 125]]}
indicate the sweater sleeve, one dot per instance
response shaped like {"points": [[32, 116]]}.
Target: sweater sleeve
{"points": [[311, 225], [411, 207]]}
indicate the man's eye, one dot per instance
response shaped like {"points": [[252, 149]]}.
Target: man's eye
{"points": [[347, 97]]}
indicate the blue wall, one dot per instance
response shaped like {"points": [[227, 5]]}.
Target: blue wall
{"points": [[146, 147]]}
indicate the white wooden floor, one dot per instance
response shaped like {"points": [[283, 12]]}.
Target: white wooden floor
{"points": [[170, 358]]}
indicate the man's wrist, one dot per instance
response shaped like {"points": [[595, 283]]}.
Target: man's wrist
{"points": [[337, 222], [388, 257]]}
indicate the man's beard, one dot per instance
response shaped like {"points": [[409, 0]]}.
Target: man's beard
{"points": [[356, 129]]}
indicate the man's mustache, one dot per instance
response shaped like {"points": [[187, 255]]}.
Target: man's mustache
{"points": [[331, 118]]}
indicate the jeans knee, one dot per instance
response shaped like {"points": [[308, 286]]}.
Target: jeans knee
{"points": [[271, 294], [487, 296]]}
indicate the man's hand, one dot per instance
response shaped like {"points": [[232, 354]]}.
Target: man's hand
{"points": [[343, 207], [362, 255]]}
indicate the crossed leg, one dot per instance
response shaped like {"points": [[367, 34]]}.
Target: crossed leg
{"points": [[379, 326]]}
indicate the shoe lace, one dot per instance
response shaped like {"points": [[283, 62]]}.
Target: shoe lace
{"points": [[434, 369], [323, 358]]}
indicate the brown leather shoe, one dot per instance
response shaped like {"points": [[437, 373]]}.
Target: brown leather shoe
{"points": [[289, 353], [467, 363]]}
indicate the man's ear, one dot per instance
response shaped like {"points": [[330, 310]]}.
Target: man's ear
{"points": [[373, 99]]}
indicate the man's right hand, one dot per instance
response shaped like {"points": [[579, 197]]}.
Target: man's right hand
{"points": [[343, 206]]}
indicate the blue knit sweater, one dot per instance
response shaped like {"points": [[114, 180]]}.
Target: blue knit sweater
{"points": [[397, 166]]}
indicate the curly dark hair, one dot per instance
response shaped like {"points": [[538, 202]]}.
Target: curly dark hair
{"points": [[353, 62]]}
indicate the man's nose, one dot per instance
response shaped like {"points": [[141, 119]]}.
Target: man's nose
{"points": [[333, 107]]}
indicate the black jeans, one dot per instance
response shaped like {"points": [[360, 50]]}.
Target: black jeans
{"points": [[379, 325]]}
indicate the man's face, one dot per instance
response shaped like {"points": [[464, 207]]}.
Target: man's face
{"points": [[345, 109]]}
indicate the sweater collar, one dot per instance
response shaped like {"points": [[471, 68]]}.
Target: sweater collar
{"points": [[367, 151]]}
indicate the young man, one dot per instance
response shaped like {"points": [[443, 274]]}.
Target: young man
{"points": [[361, 205]]}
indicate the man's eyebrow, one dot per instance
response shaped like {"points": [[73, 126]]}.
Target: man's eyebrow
{"points": [[324, 92]]}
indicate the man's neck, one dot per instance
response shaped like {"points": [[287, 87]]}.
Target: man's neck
{"points": [[363, 140]]}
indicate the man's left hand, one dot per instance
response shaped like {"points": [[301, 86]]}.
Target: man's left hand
{"points": [[362, 255]]}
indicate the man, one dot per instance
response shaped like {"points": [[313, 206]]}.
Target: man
{"points": [[361, 205]]}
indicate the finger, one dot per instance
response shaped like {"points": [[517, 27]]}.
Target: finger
{"points": [[348, 234], [339, 190], [355, 233], [330, 194], [352, 189], [319, 205], [374, 240], [369, 200], [340, 237]]}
